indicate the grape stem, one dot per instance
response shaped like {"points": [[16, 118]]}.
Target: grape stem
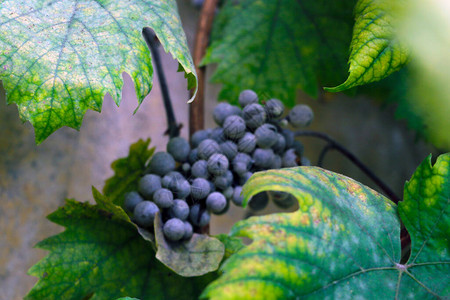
{"points": [[332, 144], [173, 129]]}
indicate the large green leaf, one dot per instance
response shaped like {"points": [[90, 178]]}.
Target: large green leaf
{"points": [[127, 172], [278, 47], [375, 52], [102, 256], [59, 58], [343, 242]]}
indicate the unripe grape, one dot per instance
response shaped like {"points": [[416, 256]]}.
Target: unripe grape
{"points": [[247, 143], [274, 108], [148, 184], [179, 209], [179, 148], [199, 136], [207, 148], [163, 198], [218, 164], [263, 158], [258, 201], [300, 115], [229, 149], [200, 169], [247, 97], [289, 159], [216, 202], [144, 213], [161, 163], [266, 135], [254, 115], [223, 110], [174, 229], [131, 200], [234, 127], [200, 188]]}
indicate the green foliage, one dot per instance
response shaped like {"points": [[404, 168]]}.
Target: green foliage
{"points": [[343, 242], [127, 172], [232, 244], [59, 59], [278, 47], [197, 256], [101, 255], [375, 52]]}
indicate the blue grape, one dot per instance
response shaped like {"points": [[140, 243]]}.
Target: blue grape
{"points": [[258, 201], [277, 162], [304, 161], [289, 159], [237, 198], [148, 184], [188, 230], [241, 163], [200, 169], [266, 135], [263, 158], [300, 115], [199, 136], [200, 188], [228, 193], [207, 148], [298, 147], [247, 143], [280, 145], [179, 209], [199, 217], [169, 181], [221, 182], [234, 127], [247, 97], [229, 149], [186, 168], [179, 148], [144, 213], [274, 109], [182, 189], [288, 137], [131, 200], [174, 229], [254, 115], [193, 156], [218, 164], [161, 163], [216, 202], [245, 177], [217, 135], [223, 110], [163, 198]]}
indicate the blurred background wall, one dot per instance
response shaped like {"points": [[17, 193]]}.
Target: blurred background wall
{"points": [[35, 180]]}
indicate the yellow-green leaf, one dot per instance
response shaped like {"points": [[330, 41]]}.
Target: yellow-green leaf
{"points": [[375, 52], [60, 58]]}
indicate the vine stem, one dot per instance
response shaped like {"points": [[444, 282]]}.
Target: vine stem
{"points": [[332, 144], [197, 108], [173, 129]]}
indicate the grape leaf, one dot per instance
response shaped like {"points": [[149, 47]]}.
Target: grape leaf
{"points": [[101, 256], [197, 256], [127, 172], [278, 47], [374, 51], [59, 58], [232, 244], [343, 242]]}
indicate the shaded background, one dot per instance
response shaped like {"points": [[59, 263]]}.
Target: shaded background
{"points": [[35, 180]]}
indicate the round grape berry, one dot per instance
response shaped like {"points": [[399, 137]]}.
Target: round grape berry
{"points": [[247, 143], [280, 145], [247, 97], [144, 213], [234, 127], [263, 158], [254, 115], [223, 110], [161, 163], [163, 198], [216, 202], [200, 188], [179, 148], [274, 109], [200, 169], [198, 216], [174, 229], [199, 136], [188, 230], [179, 209], [289, 159], [229, 149], [131, 200], [217, 135], [218, 164], [300, 115], [148, 184], [266, 135], [207, 148], [237, 198]]}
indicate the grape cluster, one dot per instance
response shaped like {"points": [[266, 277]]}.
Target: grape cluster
{"points": [[192, 180]]}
